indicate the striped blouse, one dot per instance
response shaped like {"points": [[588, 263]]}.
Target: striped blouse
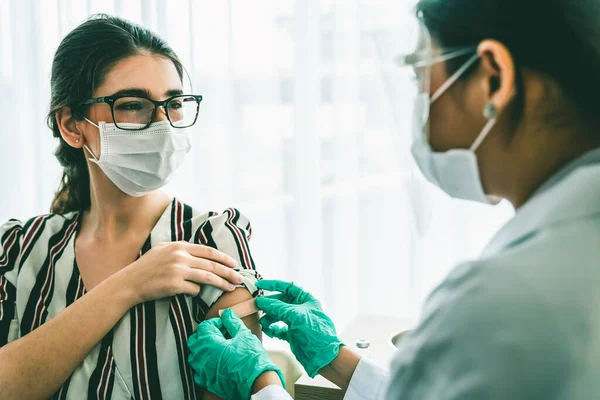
{"points": [[145, 355]]}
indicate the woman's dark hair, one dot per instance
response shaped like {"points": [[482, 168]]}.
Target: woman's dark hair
{"points": [[558, 38], [80, 65]]}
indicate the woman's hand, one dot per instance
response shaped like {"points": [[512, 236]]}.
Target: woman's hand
{"points": [[175, 268], [309, 331], [228, 367]]}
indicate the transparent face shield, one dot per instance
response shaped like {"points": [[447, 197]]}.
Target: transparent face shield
{"points": [[398, 87], [405, 59]]}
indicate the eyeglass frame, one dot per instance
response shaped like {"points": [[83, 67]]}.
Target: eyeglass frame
{"points": [[110, 100]]}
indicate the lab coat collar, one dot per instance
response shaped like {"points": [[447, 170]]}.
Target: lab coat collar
{"points": [[573, 192]]}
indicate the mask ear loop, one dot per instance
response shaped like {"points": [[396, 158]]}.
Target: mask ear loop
{"points": [[85, 146], [438, 93], [94, 158], [490, 112], [97, 126]]}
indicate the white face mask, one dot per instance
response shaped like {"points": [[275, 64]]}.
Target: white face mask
{"points": [[139, 162], [456, 171]]}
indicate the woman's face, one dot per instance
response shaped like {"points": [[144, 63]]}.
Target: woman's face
{"points": [[456, 118], [145, 75]]}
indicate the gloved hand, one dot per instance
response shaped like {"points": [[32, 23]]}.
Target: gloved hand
{"points": [[310, 332], [228, 367]]}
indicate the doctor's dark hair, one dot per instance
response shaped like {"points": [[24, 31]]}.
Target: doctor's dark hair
{"points": [[558, 38], [80, 65]]}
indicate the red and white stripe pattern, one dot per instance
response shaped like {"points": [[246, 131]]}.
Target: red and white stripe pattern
{"points": [[178, 308], [102, 379], [200, 237], [8, 244], [240, 238], [140, 373], [80, 288], [107, 372], [70, 299], [32, 232], [43, 300], [3, 294], [179, 220], [181, 337]]}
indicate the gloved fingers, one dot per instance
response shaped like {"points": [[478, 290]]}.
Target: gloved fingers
{"points": [[306, 297], [272, 285], [279, 296], [276, 308], [279, 331], [266, 321], [209, 324], [295, 293], [291, 291], [211, 327], [232, 323], [209, 332], [268, 331], [272, 329]]}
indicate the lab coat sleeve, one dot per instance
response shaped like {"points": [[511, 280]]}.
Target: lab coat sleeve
{"points": [[485, 334], [368, 381], [367, 384]]}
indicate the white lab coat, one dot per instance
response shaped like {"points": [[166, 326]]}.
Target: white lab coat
{"points": [[522, 322]]}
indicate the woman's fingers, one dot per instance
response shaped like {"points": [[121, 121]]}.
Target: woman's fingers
{"points": [[208, 253], [191, 288], [202, 277], [215, 268]]}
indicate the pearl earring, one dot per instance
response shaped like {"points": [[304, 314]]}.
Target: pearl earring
{"points": [[490, 111], [77, 141]]}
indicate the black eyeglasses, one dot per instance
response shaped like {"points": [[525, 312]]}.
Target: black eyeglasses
{"points": [[134, 113]]}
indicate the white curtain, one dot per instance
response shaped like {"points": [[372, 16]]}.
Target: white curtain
{"points": [[294, 131]]}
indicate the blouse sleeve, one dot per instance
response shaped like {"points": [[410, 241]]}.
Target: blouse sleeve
{"points": [[229, 233], [10, 246]]}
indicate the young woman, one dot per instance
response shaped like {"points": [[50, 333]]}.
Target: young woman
{"points": [[98, 298]]}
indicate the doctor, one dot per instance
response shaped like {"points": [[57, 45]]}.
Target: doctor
{"points": [[508, 106]]}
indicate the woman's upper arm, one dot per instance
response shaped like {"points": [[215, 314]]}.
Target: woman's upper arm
{"points": [[229, 233], [229, 300]]}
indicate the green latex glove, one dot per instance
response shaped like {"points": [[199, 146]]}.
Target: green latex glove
{"points": [[228, 367], [310, 333]]}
